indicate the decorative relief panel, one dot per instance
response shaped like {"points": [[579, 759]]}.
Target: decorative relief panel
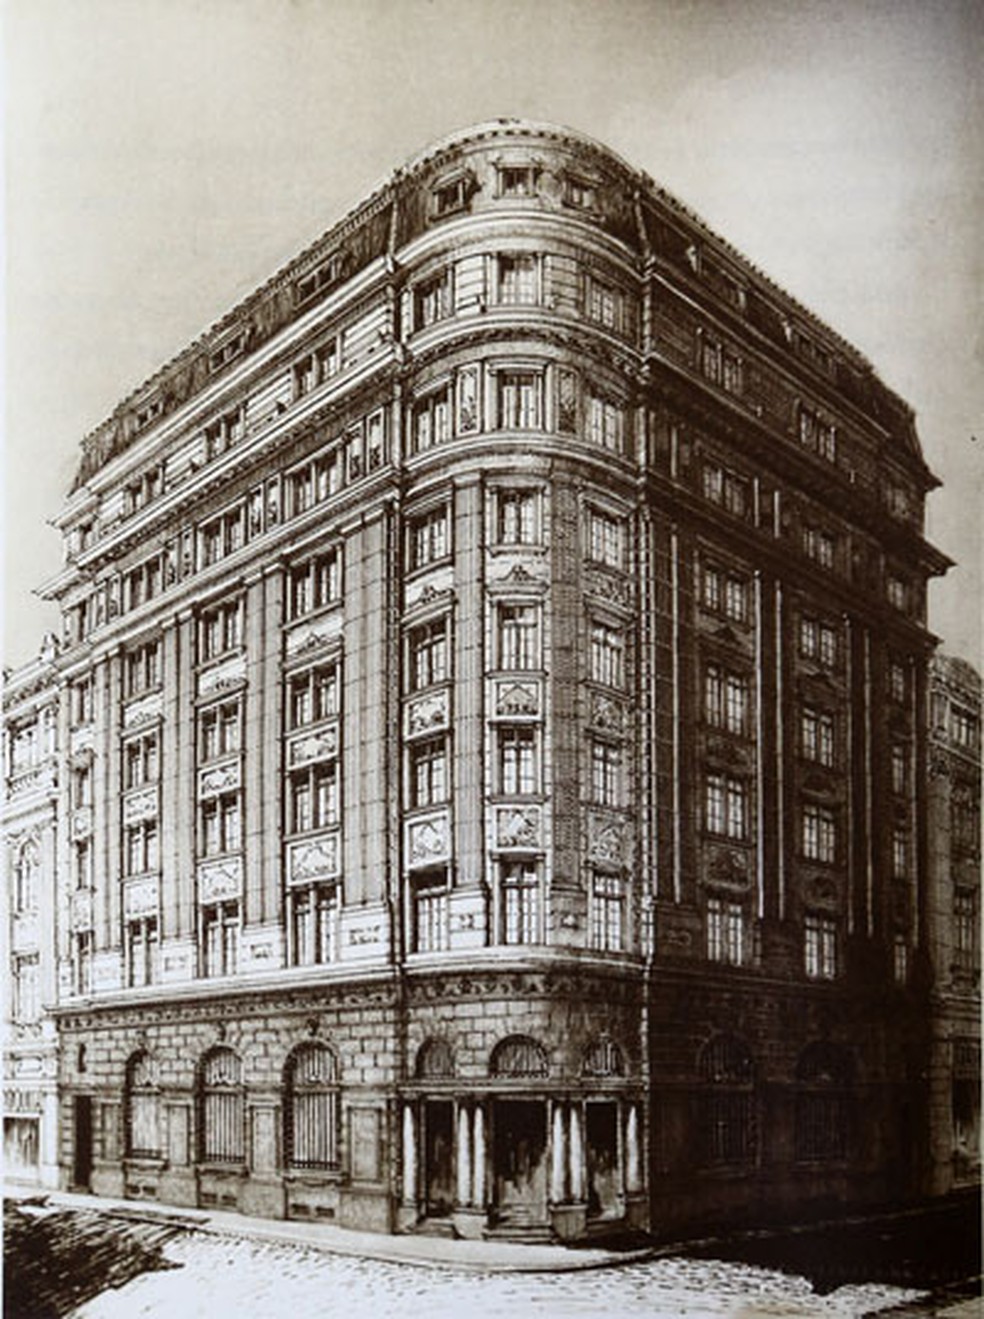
{"points": [[607, 713], [220, 879], [24, 935], [141, 897], [261, 949], [81, 739], [728, 867], [607, 839], [315, 858], [219, 778], [314, 633], [140, 805], [612, 587], [516, 698], [221, 677], [33, 780], [429, 839], [177, 960], [82, 822], [81, 912], [320, 745], [429, 586], [427, 713], [518, 826], [513, 572], [144, 710]]}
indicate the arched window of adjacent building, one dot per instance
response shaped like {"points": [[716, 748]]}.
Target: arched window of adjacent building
{"points": [[221, 1108], [435, 1060], [727, 1101], [824, 1077], [27, 869], [518, 1056], [311, 1107], [602, 1058], [142, 1108]]}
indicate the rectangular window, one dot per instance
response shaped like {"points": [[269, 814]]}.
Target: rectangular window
{"points": [[604, 304], [314, 368], [432, 300], [721, 366], [140, 492], [316, 583], [519, 279], [964, 728], [82, 947], [220, 939], [83, 863], [430, 541], [430, 912], [450, 197], [142, 583], [818, 434], [313, 695], [817, 736], [520, 395], [516, 180], [142, 668], [900, 853], [220, 730], [607, 911], [819, 546], [220, 629], [141, 761], [898, 682], [428, 772], [427, 648], [314, 924], [819, 834], [606, 773], [220, 825], [322, 278], [607, 654], [83, 700], [965, 927], [520, 902], [726, 699], [818, 642], [517, 761], [141, 848], [82, 786], [313, 798], [519, 637], [606, 424], [726, 806], [725, 593], [223, 433], [26, 1001], [725, 931], [726, 489], [141, 951], [820, 947], [517, 521], [432, 419], [223, 535], [900, 769], [606, 539]]}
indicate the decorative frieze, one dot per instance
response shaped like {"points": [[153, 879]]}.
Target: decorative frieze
{"points": [[319, 745], [517, 698], [81, 909], [218, 880], [518, 827], [139, 806], [143, 710], [219, 778], [518, 573], [428, 839], [314, 633], [314, 858], [223, 677], [612, 587], [427, 714], [429, 586], [33, 780], [141, 897]]}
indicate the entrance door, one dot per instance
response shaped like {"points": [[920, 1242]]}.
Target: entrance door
{"points": [[519, 1159], [82, 1169], [439, 1156], [601, 1139]]}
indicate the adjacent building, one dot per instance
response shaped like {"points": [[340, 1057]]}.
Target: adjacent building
{"points": [[492, 787]]}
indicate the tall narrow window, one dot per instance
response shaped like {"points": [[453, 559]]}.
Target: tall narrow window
{"points": [[142, 1109], [516, 517], [607, 911], [606, 539], [313, 695], [316, 584], [725, 699], [141, 951], [606, 773], [430, 911], [519, 637], [819, 835], [432, 419], [726, 806], [221, 1108], [314, 924], [220, 938], [429, 538], [311, 1108], [519, 279], [220, 629], [520, 901], [517, 760], [520, 400], [817, 736], [607, 654], [428, 770], [725, 931], [432, 300], [820, 947], [428, 654]]}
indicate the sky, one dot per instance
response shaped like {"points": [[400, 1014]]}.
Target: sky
{"points": [[163, 157]]}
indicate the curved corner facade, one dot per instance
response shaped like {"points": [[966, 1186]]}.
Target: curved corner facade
{"points": [[493, 768]]}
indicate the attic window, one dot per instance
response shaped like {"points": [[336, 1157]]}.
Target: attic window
{"points": [[229, 350], [517, 181], [320, 279], [580, 193], [149, 411], [450, 195]]}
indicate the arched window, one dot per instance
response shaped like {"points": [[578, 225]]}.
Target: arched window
{"points": [[518, 1056], [142, 1109], [435, 1060], [825, 1077], [311, 1107], [727, 1101], [26, 870], [603, 1057], [221, 1108]]}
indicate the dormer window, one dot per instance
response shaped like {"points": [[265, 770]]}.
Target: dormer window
{"points": [[818, 433], [149, 412], [450, 196], [228, 351], [517, 181], [580, 193], [321, 279]]}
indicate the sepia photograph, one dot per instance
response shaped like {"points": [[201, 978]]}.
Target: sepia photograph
{"points": [[492, 642]]}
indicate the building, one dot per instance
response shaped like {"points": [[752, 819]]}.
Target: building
{"points": [[493, 780], [954, 921], [32, 827]]}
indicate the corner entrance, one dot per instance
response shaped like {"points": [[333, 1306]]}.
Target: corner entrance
{"points": [[519, 1160], [601, 1140], [82, 1164], [438, 1157]]}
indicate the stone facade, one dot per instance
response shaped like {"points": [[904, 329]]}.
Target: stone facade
{"points": [[485, 654]]}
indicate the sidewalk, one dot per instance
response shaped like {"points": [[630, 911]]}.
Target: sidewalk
{"points": [[428, 1252]]}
